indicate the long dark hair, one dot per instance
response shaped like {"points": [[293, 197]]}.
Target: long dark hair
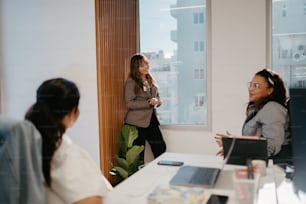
{"points": [[55, 98], [135, 63], [278, 95]]}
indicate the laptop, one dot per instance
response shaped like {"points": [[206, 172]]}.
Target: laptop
{"points": [[196, 176], [246, 147]]}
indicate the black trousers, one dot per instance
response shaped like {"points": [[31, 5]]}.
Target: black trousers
{"points": [[154, 137]]}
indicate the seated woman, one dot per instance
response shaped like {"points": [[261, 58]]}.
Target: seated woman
{"points": [[267, 115], [71, 175]]}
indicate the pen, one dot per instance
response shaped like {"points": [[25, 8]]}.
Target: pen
{"points": [[250, 169]]}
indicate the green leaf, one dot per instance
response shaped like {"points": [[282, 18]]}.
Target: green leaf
{"points": [[122, 172], [128, 155], [133, 154], [130, 133], [122, 145], [122, 162], [134, 166]]}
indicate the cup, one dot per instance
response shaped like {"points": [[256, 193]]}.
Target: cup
{"points": [[260, 166], [246, 187]]}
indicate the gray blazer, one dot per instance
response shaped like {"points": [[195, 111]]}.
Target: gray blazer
{"points": [[271, 122], [139, 111]]}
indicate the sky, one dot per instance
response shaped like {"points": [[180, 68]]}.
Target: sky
{"points": [[156, 24]]}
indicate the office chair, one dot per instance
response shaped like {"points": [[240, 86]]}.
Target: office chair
{"points": [[21, 177]]}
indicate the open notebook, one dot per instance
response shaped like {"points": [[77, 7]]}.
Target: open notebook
{"points": [[199, 176]]}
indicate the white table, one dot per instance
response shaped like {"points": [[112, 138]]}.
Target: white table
{"points": [[137, 187]]}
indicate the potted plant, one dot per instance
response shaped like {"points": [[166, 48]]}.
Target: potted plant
{"points": [[128, 155]]}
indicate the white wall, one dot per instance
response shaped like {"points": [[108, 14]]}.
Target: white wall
{"points": [[41, 39]]}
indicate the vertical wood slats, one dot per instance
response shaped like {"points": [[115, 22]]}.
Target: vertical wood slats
{"points": [[116, 28]]}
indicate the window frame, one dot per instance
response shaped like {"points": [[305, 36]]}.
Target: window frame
{"points": [[208, 27]]}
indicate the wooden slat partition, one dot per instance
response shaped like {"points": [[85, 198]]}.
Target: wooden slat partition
{"points": [[116, 35]]}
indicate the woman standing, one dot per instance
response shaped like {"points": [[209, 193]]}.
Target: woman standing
{"points": [[142, 99], [70, 173]]}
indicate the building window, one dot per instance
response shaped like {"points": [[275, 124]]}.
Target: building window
{"points": [[284, 54], [165, 28], [289, 41], [284, 11], [198, 73], [198, 18], [199, 100], [198, 46]]}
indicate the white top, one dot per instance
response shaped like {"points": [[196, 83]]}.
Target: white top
{"points": [[74, 175]]}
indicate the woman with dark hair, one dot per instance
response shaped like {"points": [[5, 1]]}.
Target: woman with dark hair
{"points": [[267, 114], [142, 99], [70, 173]]}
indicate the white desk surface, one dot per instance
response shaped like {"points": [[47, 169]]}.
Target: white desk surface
{"points": [[137, 187]]}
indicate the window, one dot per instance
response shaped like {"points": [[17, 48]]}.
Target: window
{"points": [[284, 11], [289, 41], [173, 36], [198, 18], [198, 73], [198, 46], [199, 100], [201, 45]]}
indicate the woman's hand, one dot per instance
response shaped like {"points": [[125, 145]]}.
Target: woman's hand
{"points": [[154, 102], [219, 136], [220, 152], [218, 139]]}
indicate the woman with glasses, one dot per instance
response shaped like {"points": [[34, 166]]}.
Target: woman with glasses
{"points": [[267, 114], [142, 99]]}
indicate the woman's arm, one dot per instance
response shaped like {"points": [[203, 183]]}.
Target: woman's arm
{"points": [[273, 120]]}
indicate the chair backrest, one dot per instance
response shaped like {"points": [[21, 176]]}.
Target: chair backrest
{"points": [[21, 177], [297, 112]]}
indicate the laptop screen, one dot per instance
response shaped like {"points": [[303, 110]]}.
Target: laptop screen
{"points": [[245, 149]]}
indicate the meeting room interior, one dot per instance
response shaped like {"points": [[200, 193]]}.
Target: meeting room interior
{"points": [[202, 53]]}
